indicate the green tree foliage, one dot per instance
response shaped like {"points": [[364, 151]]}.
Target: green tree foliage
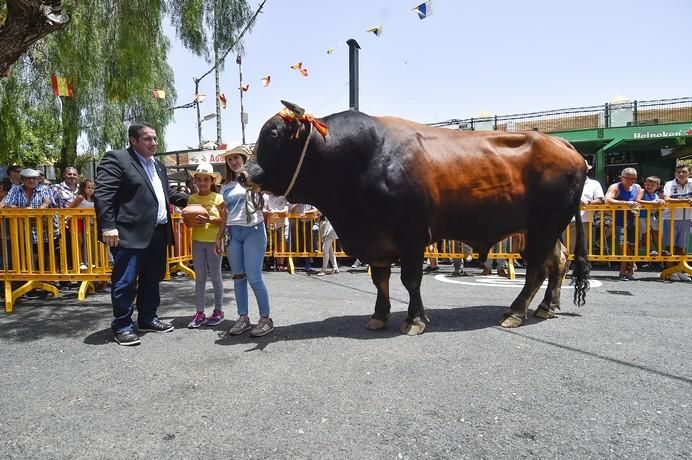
{"points": [[30, 130], [198, 22], [114, 55]]}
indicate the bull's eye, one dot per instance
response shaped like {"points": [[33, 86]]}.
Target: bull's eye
{"points": [[275, 133]]}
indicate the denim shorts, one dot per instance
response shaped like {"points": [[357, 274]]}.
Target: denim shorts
{"points": [[620, 235]]}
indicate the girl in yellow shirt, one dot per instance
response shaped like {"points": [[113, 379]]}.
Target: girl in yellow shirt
{"points": [[205, 257]]}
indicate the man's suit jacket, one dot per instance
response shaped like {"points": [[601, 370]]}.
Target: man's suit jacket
{"points": [[125, 199]]}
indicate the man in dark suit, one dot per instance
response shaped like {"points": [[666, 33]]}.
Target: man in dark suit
{"points": [[132, 206]]}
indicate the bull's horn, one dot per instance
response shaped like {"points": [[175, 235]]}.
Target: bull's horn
{"points": [[295, 108]]}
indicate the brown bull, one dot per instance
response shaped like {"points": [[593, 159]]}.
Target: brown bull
{"points": [[390, 187]]}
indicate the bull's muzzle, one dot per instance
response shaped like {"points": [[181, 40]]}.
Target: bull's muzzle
{"points": [[245, 180]]}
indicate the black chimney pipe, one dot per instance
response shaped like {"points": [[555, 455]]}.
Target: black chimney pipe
{"points": [[353, 48]]}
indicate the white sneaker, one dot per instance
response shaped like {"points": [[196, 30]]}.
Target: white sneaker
{"points": [[674, 277], [684, 276]]}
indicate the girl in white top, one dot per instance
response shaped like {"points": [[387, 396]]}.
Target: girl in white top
{"points": [[83, 199], [248, 242]]}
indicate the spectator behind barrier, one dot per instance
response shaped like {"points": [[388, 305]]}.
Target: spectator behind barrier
{"points": [[625, 192], [678, 190]]}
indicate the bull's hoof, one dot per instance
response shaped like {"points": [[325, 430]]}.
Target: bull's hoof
{"points": [[544, 313], [375, 324], [512, 320], [413, 328]]}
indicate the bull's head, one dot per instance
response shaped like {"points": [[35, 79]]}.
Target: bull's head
{"points": [[282, 142]]}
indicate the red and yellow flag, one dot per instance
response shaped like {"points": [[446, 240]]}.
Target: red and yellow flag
{"points": [[222, 99], [266, 80], [159, 94], [244, 87], [61, 87]]}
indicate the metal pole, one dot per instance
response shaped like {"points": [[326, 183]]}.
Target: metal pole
{"points": [[353, 48], [199, 121], [239, 61], [217, 78]]}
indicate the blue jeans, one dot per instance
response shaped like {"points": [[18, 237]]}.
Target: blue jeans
{"points": [[137, 273], [246, 252]]}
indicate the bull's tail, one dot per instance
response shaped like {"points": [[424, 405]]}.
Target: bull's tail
{"points": [[580, 266]]}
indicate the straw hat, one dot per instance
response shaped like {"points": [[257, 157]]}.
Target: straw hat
{"points": [[242, 150], [206, 169]]}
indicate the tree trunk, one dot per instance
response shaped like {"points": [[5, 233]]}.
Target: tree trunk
{"points": [[25, 24]]}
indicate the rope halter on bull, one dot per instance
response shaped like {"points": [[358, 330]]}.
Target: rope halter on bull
{"points": [[290, 115]]}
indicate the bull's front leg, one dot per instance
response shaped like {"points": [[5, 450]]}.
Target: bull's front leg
{"points": [[380, 278], [411, 277]]}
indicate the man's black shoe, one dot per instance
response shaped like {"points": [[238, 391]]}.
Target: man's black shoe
{"points": [[156, 326], [127, 338]]}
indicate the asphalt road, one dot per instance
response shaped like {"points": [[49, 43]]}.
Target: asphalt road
{"points": [[609, 380]]}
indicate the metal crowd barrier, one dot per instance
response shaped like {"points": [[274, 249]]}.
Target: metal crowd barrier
{"points": [[180, 253], [42, 247], [295, 235]]}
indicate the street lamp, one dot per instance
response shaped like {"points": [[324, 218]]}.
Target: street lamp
{"points": [[207, 117]]}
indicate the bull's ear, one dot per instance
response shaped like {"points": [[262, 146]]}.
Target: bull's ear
{"points": [[295, 108]]}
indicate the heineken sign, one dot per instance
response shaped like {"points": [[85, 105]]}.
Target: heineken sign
{"points": [[653, 132]]}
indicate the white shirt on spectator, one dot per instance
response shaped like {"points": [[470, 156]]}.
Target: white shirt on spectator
{"points": [[672, 189]]}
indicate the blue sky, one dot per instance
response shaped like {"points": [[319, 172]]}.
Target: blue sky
{"points": [[469, 57]]}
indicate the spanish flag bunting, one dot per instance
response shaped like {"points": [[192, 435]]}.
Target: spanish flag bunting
{"points": [[266, 80], [222, 99], [200, 97], [244, 87], [377, 30], [61, 87], [159, 94], [424, 9]]}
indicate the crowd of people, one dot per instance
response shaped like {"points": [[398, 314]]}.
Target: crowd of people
{"points": [[134, 201], [28, 188]]}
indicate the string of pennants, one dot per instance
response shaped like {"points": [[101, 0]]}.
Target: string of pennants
{"points": [[422, 10], [61, 86]]}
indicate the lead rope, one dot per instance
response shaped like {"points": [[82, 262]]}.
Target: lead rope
{"points": [[300, 162]]}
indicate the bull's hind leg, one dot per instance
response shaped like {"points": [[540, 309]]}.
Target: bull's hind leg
{"points": [[380, 278], [539, 245], [557, 266], [411, 276]]}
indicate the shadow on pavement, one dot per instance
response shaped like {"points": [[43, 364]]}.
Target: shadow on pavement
{"points": [[442, 320], [34, 322]]}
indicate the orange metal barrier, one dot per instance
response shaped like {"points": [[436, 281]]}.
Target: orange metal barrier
{"points": [[649, 243], [302, 240], [295, 235], [43, 246], [180, 254], [39, 247]]}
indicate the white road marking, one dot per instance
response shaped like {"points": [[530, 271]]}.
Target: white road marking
{"points": [[498, 281]]}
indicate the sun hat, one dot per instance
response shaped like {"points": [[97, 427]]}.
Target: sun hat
{"points": [[207, 169], [242, 150], [28, 172]]}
